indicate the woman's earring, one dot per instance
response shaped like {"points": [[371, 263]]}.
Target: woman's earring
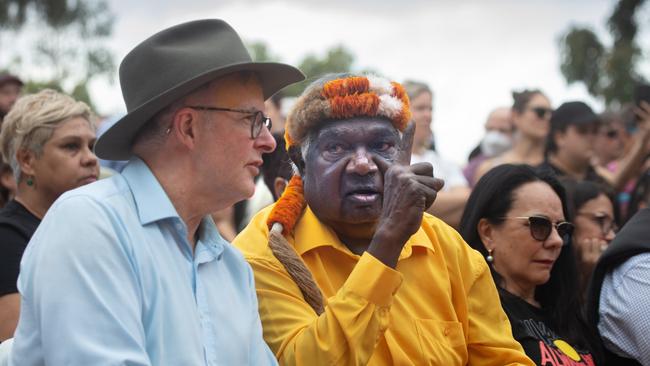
{"points": [[30, 181], [489, 257]]}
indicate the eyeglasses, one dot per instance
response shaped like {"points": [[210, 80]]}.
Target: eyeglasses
{"points": [[612, 134], [541, 227], [542, 112], [603, 220], [257, 118]]}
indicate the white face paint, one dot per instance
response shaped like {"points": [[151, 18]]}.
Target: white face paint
{"points": [[494, 143]]}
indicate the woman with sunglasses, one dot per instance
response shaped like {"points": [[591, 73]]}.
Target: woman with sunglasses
{"points": [[516, 218], [531, 115], [596, 222]]}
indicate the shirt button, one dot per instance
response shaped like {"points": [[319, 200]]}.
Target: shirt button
{"points": [[446, 331]]}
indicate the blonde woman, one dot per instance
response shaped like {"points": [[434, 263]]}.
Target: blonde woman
{"points": [[48, 139]]}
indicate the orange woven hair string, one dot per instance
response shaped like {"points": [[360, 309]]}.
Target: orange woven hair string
{"points": [[289, 207]]}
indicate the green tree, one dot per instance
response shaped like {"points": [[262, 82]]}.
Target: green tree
{"points": [[610, 72], [336, 59], [64, 40]]}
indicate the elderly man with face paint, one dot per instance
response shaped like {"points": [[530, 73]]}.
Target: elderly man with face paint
{"points": [[349, 269]]}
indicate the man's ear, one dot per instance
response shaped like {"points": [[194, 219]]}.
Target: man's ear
{"points": [[185, 125], [486, 232], [559, 138], [26, 160], [279, 185]]}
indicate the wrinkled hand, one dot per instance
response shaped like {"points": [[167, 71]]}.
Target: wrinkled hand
{"points": [[408, 191]]}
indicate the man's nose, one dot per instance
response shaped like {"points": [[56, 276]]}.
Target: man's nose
{"points": [[265, 141], [361, 163]]}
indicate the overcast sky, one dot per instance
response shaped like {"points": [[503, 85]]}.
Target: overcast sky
{"points": [[472, 53]]}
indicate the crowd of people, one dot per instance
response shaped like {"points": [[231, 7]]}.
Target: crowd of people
{"points": [[354, 241]]}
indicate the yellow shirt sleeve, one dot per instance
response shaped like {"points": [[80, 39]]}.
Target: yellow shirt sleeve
{"points": [[490, 340], [345, 334]]}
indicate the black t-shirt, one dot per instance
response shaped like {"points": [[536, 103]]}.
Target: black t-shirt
{"points": [[531, 327], [17, 225]]}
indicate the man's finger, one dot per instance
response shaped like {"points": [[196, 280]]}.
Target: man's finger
{"points": [[404, 154], [425, 169]]}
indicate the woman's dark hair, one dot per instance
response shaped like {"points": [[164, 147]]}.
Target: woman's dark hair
{"points": [[579, 192], [521, 98], [492, 199]]}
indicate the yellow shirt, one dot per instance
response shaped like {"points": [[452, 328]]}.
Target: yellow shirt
{"points": [[439, 307]]}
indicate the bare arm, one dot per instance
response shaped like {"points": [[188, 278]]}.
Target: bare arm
{"points": [[9, 312]]}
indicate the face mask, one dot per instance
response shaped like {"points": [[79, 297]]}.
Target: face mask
{"points": [[494, 143]]}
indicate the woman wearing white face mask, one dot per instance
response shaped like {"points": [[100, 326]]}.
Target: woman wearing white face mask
{"points": [[497, 140]]}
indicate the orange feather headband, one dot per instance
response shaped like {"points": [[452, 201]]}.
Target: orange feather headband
{"points": [[355, 96]]}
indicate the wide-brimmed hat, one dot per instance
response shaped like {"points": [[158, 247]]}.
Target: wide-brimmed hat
{"points": [[174, 62]]}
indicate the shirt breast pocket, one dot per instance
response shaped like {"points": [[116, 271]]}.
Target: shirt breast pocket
{"points": [[441, 342]]}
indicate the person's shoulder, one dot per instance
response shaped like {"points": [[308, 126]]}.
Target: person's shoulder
{"points": [[101, 190], [451, 244], [253, 240]]}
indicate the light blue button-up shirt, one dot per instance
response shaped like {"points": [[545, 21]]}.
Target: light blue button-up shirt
{"points": [[109, 278], [624, 319]]}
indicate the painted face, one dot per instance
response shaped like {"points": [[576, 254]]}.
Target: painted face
{"points": [[534, 121], [595, 219], [422, 114], [225, 154], [523, 261], [67, 160], [342, 183]]}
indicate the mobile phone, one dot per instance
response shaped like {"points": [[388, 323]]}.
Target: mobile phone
{"points": [[641, 93]]}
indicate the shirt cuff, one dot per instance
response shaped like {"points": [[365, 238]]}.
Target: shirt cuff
{"points": [[373, 280]]}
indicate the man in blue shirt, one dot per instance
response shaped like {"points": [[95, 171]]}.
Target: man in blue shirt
{"points": [[131, 270]]}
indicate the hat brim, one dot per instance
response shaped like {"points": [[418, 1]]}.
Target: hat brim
{"points": [[116, 142]]}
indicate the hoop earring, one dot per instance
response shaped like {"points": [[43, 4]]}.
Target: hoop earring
{"points": [[489, 258], [30, 181]]}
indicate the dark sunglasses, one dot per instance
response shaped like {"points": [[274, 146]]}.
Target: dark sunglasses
{"points": [[541, 227], [542, 112], [257, 118], [612, 134]]}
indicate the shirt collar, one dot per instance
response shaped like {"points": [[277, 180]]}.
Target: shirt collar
{"points": [[310, 234], [151, 201]]}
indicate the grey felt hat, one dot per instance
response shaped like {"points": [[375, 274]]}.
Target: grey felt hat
{"points": [[172, 63]]}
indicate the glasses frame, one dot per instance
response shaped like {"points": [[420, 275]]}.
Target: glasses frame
{"points": [[566, 236], [542, 112], [258, 122], [599, 219]]}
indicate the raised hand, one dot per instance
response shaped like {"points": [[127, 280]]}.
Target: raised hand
{"points": [[408, 191]]}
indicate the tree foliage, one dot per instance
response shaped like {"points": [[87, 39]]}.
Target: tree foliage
{"points": [[335, 60], [63, 39], [610, 72]]}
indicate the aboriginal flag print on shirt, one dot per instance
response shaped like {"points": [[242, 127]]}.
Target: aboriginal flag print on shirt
{"points": [[532, 328]]}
